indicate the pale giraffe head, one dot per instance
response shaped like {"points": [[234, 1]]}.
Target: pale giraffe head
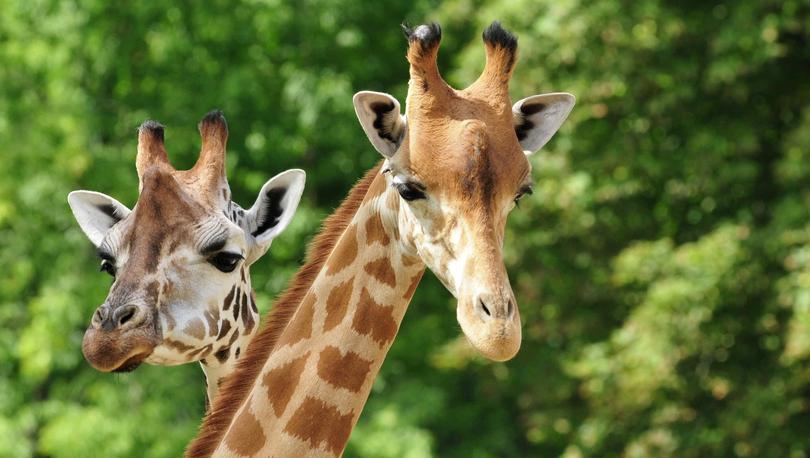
{"points": [[458, 159], [180, 259]]}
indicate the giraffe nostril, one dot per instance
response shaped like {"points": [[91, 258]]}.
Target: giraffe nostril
{"points": [[126, 316], [484, 307], [99, 315]]}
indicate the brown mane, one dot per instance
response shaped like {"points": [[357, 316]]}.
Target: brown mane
{"points": [[238, 385]]}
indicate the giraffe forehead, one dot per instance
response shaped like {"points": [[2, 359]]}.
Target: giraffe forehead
{"points": [[165, 197], [169, 214], [474, 166], [465, 141]]}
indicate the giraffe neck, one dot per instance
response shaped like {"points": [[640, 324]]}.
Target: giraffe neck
{"points": [[313, 386], [235, 323], [221, 364]]}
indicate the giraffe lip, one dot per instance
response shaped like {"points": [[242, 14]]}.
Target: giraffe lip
{"points": [[131, 363]]}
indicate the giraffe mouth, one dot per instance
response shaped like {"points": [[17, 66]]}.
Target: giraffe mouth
{"points": [[131, 363]]}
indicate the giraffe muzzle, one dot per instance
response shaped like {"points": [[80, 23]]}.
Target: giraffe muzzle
{"points": [[491, 324], [119, 339]]}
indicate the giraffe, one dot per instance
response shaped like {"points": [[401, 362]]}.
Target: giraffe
{"points": [[180, 259], [453, 167]]}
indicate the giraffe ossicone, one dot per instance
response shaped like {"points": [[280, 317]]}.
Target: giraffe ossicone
{"points": [[180, 259], [454, 166]]}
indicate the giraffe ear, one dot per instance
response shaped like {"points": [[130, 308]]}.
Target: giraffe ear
{"points": [[96, 213], [537, 118], [380, 118], [275, 206]]}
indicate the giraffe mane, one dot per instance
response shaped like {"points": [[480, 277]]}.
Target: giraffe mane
{"points": [[237, 386]]}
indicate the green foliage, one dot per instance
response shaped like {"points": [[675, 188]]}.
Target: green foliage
{"points": [[662, 266]]}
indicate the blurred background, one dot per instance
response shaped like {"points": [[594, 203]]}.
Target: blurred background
{"points": [[662, 266]]}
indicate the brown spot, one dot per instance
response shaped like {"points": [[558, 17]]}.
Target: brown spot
{"points": [[253, 302], [337, 303], [236, 309], [153, 252], [195, 328], [225, 194], [348, 371], [345, 251], [412, 288], [374, 320], [244, 305], [201, 352], [229, 299], [381, 270], [223, 329], [177, 345], [222, 355], [212, 321], [242, 273], [247, 317], [318, 423], [152, 290], [234, 336], [300, 327], [281, 382], [246, 436], [375, 232]]}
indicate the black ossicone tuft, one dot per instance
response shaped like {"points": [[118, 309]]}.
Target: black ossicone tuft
{"points": [[496, 35], [154, 128], [428, 35], [213, 117]]}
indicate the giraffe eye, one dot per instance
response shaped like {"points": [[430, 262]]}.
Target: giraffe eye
{"points": [[225, 262], [410, 191], [524, 191], [107, 266]]}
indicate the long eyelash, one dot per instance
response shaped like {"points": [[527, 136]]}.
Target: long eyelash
{"points": [[525, 191]]}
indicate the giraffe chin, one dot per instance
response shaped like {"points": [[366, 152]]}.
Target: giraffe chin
{"points": [[112, 352], [494, 339], [132, 363]]}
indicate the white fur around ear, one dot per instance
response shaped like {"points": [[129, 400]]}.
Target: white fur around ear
{"points": [[537, 118], [275, 206], [96, 213], [381, 120]]}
